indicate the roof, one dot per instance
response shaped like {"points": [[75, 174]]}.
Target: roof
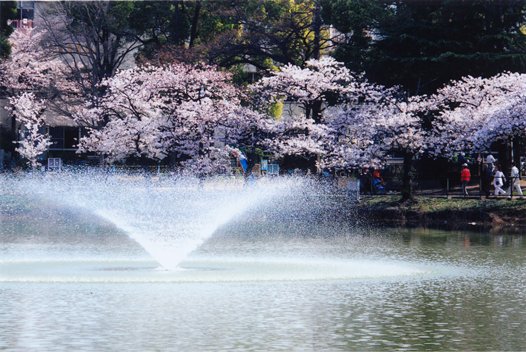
{"points": [[54, 119], [51, 117]]}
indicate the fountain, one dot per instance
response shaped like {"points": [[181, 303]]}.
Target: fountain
{"points": [[93, 261], [172, 217]]}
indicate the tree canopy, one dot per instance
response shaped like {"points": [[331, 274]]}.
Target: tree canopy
{"points": [[422, 45], [7, 12]]}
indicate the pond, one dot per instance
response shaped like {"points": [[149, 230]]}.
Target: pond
{"points": [[73, 279]]}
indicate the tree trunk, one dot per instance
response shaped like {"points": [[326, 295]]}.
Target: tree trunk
{"points": [[407, 187], [517, 145], [195, 21], [13, 133], [316, 111], [316, 28]]}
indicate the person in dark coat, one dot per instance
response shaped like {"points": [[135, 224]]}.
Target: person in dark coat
{"points": [[487, 174]]}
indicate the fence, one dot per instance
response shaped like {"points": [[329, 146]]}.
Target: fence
{"points": [[448, 187]]}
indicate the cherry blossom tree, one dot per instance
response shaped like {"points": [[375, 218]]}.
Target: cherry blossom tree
{"points": [[295, 137], [344, 116], [364, 135], [472, 113], [468, 114], [475, 113], [400, 129], [177, 110], [310, 87], [35, 76], [504, 125], [33, 66], [33, 142], [350, 140]]}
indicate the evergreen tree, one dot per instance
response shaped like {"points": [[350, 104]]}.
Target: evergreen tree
{"points": [[423, 44], [7, 12], [356, 20], [428, 43]]}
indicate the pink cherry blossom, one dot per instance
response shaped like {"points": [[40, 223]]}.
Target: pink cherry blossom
{"points": [[33, 141]]}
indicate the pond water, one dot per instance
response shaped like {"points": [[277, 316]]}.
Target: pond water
{"points": [[71, 279]]}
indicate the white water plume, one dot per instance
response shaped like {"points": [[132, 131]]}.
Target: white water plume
{"points": [[168, 217]]}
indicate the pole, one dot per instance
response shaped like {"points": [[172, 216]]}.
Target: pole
{"points": [[316, 28], [512, 154], [512, 179], [480, 166]]}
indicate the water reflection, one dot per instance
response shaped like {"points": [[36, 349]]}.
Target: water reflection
{"points": [[476, 301]]}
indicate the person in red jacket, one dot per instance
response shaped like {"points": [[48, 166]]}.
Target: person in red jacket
{"points": [[465, 176]]}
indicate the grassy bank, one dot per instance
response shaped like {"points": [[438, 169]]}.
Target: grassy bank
{"points": [[457, 213]]}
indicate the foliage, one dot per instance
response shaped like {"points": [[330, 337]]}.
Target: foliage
{"points": [[276, 109], [176, 110], [285, 31], [234, 32], [357, 22], [33, 143], [429, 43], [7, 12], [33, 66], [94, 39], [472, 113]]}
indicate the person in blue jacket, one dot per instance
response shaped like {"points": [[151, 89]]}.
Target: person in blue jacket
{"points": [[243, 162]]}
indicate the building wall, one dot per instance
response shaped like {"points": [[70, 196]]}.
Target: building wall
{"points": [[5, 116]]}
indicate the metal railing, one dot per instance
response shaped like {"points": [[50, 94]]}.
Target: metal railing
{"points": [[447, 187]]}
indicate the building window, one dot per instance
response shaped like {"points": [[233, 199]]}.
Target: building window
{"points": [[57, 137], [71, 137], [64, 137], [26, 10]]}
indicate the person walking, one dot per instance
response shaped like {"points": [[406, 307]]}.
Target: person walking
{"points": [[486, 180], [515, 183], [498, 181], [490, 160], [465, 177], [378, 182], [243, 162]]}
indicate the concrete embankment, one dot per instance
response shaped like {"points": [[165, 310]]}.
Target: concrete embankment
{"points": [[457, 214]]}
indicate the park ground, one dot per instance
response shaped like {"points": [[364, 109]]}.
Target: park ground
{"points": [[490, 214]]}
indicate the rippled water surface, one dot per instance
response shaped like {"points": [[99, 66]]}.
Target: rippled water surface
{"points": [[70, 280]]}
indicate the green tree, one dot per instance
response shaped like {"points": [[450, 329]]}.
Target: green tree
{"points": [[7, 12], [285, 31], [179, 30], [423, 44], [356, 22], [233, 32], [426, 44]]}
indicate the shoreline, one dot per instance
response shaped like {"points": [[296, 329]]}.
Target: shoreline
{"points": [[491, 215]]}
